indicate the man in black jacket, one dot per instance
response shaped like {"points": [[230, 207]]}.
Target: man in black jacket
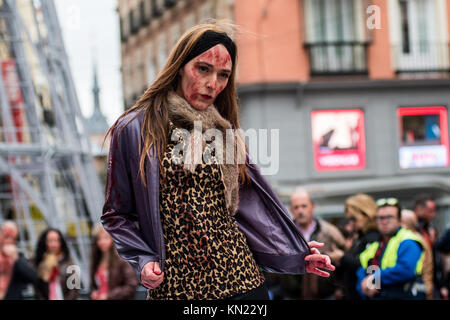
{"points": [[15, 271], [425, 209]]}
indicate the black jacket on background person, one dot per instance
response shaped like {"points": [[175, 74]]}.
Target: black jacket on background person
{"points": [[442, 246], [22, 275], [349, 264], [439, 276], [443, 243]]}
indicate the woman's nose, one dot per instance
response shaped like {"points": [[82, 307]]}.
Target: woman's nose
{"points": [[212, 82]]}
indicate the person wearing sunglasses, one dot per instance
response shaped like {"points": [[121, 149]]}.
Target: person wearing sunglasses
{"points": [[391, 267]]}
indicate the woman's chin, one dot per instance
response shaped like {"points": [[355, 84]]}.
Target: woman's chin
{"points": [[200, 105]]}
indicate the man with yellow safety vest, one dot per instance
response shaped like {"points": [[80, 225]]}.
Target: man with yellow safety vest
{"points": [[391, 268]]}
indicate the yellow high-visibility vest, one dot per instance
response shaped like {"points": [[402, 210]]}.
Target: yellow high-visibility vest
{"points": [[390, 254]]}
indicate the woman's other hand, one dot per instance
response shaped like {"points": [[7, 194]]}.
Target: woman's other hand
{"points": [[151, 275], [317, 260]]}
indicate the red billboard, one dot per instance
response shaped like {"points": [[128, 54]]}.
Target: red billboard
{"points": [[338, 139]]}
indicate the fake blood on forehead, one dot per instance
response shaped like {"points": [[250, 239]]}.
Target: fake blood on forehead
{"points": [[221, 59], [216, 57]]}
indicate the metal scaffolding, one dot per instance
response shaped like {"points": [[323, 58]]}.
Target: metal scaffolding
{"points": [[47, 176]]}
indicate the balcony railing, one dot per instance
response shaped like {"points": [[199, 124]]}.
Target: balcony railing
{"points": [[423, 56], [338, 58]]}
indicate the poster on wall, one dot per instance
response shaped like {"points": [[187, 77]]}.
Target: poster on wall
{"points": [[338, 139], [423, 137]]}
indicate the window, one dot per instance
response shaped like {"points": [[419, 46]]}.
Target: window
{"points": [[144, 16], [132, 22], [423, 137], [170, 3], [336, 36], [157, 8], [338, 139], [146, 11], [417, 43], [123, 33], [405, 26]]}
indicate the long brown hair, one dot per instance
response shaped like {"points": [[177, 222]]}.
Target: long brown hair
{"points": [[153, 103], [97, 255]]}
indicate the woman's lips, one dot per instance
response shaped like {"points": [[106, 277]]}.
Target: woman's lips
{"points": [[206, 97]]}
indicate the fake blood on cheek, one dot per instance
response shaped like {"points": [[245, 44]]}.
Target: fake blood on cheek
{"points": [[193, 85]]}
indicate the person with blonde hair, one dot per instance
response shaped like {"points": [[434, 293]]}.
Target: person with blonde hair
{"points": [[112, 278], [360, 211], [192, 225]]}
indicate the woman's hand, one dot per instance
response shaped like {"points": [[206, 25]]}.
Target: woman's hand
{"points": [[151, 275], [103, 296], [94, 295], [317, 260]]}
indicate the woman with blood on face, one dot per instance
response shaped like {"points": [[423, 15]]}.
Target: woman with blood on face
{"points": [[205, 230]]}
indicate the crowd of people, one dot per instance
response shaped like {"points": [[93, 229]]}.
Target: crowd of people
{"points": [[48, 272], [381, 251]]}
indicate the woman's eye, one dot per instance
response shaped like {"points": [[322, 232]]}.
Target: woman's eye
{"points": [[225, 75], [203, 69]]}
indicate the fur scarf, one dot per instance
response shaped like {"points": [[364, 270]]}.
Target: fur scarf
{"points": [[183, 115]]}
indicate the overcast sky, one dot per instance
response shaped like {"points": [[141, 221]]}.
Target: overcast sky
{"points": [[91, 32]]}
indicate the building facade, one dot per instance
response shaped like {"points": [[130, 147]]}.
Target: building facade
{"points": [[358, 90], [47, 176]]}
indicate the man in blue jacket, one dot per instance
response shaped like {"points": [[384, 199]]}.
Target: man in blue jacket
{"points": [[391, 268]]}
